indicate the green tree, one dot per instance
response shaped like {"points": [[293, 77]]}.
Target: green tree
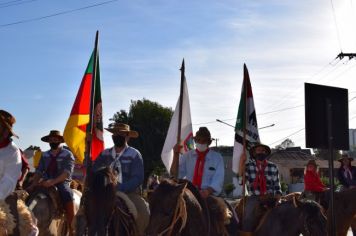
{"points": [[151, 120]]}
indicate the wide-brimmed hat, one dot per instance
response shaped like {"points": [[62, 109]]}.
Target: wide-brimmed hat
{"points": [[203, 132], [53, 133], [345, 155], [312, 162], [252, 149], [8, 121], [117, 128]]}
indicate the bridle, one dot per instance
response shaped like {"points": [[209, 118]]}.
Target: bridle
{"points": [[180, 212]]}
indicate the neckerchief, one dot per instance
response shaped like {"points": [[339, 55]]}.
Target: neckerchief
{"points": [[199, 168], [260, 180], [347, 172], [5, 143]]}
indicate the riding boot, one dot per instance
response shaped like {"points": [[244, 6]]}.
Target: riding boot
{"points": [[69, 208]]}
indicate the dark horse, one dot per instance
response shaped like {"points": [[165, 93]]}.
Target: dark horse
{"points": [[293, 218], [46, 206], [178, 209], [105, 213], [345, 209]]}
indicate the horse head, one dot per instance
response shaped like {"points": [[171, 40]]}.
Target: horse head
{"points": [[314, 220], [167, 208], [100, 200]]}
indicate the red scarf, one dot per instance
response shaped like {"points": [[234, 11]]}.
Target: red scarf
{"points": [[199, 168], [260, 180], [5, 143]]}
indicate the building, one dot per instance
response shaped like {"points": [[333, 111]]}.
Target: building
{"points": [[352, 139]]}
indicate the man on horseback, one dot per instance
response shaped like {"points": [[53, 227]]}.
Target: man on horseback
{"points": [[127, 162], [55, 169], [346, 174], [202, 166], [12, 209], [263, 184], [10, 156]]}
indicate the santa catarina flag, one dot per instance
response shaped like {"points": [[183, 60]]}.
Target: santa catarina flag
{"points": [[246, 120], [75, 129], [186, 135]]}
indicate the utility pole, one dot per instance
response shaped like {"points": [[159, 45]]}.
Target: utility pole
{"points": [[216, 141]]}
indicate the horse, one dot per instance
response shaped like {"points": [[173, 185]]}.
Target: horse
{"points": [[344, 210], [104, 212], [46, 206], [178, 209], [293, 218]]}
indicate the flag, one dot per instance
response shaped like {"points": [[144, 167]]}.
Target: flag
{"points": [[246, 111], [186, 130], [75, 130]]}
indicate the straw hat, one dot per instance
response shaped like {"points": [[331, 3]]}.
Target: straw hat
{"points": [[117, 128], [8, 121], [53, 133], [253, 148]]}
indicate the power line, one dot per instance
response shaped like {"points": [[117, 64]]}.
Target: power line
{"points": [[279, 140], [14, 3], [56, 14], [337, 28]]}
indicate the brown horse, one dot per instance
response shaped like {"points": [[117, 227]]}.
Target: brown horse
{"points": [[345, 210], [105, 213], [46, 206], [293, 218], [178, 209]]}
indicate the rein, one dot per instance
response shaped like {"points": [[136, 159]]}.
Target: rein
{"points": [[179, 213]]}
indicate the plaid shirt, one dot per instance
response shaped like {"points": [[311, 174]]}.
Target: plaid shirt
{"points": [[273, 185]]}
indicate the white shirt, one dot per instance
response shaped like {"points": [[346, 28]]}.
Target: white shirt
{"points": [[10, 169]]}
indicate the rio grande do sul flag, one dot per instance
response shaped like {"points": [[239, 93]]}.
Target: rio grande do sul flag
{"points": [[75, 129], [246, 119], [186, 130]]}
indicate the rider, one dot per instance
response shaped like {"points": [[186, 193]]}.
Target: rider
{"points": [[313, 187], [202, 166], [10, 156], [10, 171], [56, 169], [263, 183], [346, 173], [127, 162]]}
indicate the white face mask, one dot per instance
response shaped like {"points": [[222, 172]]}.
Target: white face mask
{"points": [[201, 147]]}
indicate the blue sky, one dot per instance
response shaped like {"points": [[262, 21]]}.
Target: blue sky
{"points": [[142, 44]]}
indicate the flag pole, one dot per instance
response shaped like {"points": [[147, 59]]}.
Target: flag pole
{"points": [[182, 77], [244, 142], [89, 128]]}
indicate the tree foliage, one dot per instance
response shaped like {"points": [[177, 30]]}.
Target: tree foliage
{"points": [[151, 120]]}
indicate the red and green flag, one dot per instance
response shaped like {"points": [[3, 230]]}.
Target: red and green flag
{"points": [[76, 127]]}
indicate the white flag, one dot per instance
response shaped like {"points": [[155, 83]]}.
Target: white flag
{"points": [[186, 135]]}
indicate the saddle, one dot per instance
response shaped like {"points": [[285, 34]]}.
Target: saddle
{"points": [[51, 193], [128, 213]]}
